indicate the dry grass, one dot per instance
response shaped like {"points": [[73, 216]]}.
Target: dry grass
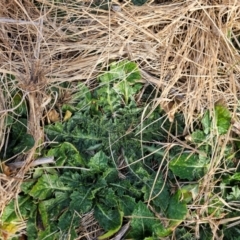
{"points": [[182, 47]]}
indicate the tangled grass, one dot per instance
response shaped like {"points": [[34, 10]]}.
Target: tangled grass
{"points": [[189, 50]]}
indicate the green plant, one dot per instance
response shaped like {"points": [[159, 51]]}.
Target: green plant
{"points": [[108, 160], [18, 140]]}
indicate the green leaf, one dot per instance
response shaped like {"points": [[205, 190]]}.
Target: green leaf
{"points": [[80, 201], [99, 162], [51, 211], [223, 119], [184, 233], [67, 222], [9, 120], [142, 222], [198, 136], [235, 176], [216, 206], [45, 187], [98, 189], [107, 77], [234, 194], [160, 231], [206, 123], [189, 192], [112, 231], [25, 144], [126, 187], [202, 141], [73, 180], [143, 173], [125, 86], [82, 98], [110, 175], [122, 70], [19, 128], [55, 132], [38, 172], [158, 190], [101, 4], [19, 140], [109, 218], [27, 186], [127, 204], [187, 166], [32, 230], [138, 2], [176, 210], [44, 208], [127, 74], [21, 105], [66, 154], [126, 89], [49, 232], [25, 205], [108, 100], [107, 197]]}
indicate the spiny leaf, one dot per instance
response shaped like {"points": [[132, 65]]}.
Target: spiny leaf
{"points": [[127, 204], [198, 136], [9, 214], [26, 143], [159, 192], [113, 230], [142, 222], [99, 162], [187, 166], [109, 218], [66, 154], [177, 209], [80, 201], [223, 118], [45, 187]]}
